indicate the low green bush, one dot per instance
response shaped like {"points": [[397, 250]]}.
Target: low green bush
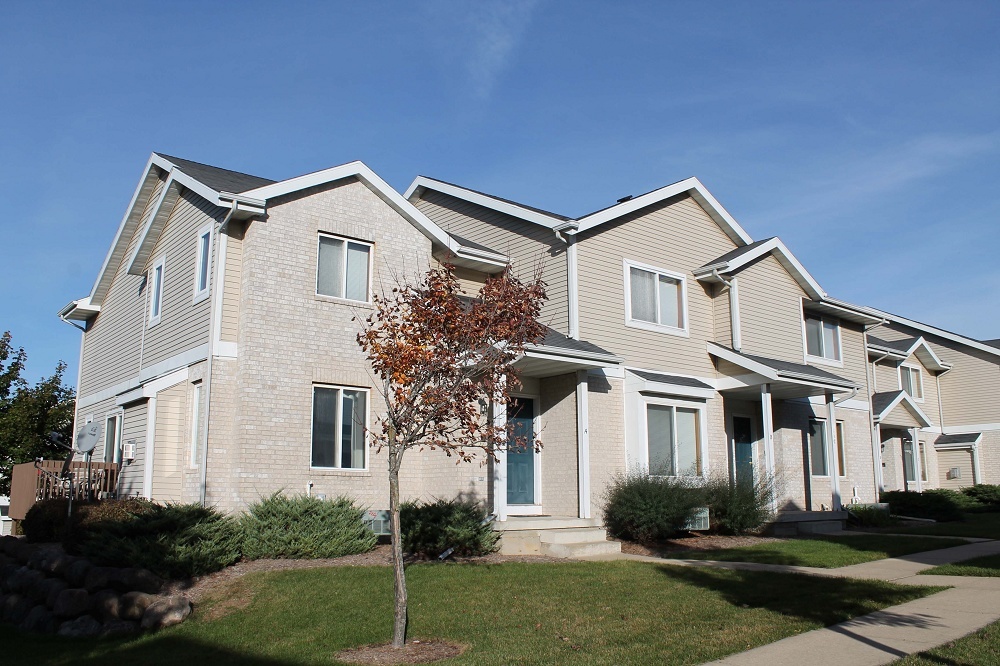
{"points": [[941, 505], [431, 528], [987, 494], [173, 541], [869, 515], [304, 527], [741, 507], [647, 509], [46, 520]]}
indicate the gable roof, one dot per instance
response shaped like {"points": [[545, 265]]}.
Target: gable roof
{"points": [[734, 260], [884, 403], [222, 180], [775, 369], [690, 186], [958, 441], [902, 349]]}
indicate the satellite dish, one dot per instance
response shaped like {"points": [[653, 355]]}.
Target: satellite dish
{"points": [[88, 437]]}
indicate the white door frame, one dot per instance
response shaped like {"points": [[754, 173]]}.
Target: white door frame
{"points": [[536, 508], [755, 440]]}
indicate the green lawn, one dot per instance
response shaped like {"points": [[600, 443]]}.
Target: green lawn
{"points": [[579, 613], [981, 648], [980, 566], [828, 552], [984, 525]]}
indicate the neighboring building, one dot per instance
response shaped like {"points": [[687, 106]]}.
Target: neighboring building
{"points": [[677, 345], [6, 524]]}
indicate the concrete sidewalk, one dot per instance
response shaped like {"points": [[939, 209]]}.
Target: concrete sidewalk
{"points": [[887, 635]]}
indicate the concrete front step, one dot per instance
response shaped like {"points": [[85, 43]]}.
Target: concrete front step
{"points": [[515, 523], [554, 536], [573, 535], [587, 549], [798, 523]]}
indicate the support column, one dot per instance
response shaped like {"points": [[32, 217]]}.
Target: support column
{"points": [[583, 441], [767, 421], [877, 461], [150, 454], [917, 462], [500, 465], [831, 451]]}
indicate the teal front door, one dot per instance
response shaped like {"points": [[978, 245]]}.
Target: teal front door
{"points": [[521, 455], [743, 448]]}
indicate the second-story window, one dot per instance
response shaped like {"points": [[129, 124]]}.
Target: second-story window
{"points": [[822, 337], [911, 380], [342, 268], [156, 291], [203, 262], [656, 299]]}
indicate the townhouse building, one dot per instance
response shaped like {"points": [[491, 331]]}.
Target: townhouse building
{"points": [[219, 350]]}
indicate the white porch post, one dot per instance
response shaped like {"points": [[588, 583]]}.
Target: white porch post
{"points": [[977, 474], [583, 441], [831, 451], [767, 419], [877, 461], [500, 466], [917, 462]]}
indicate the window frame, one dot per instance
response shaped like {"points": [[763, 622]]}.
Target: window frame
{"points": [[841, 435], [347, 240], [338, 427], [826, 449], [919, 384], [201, 294], [701, 418], [118, 416], [682, 331], [156, 289], [196, 405], [822, 360]]}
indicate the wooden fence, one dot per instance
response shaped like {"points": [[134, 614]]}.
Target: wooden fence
{"points": [[29, 485]]}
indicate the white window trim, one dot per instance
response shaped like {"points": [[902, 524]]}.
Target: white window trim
{"points": [[700, 407], [839, 428], [161, 263], [683, 331], [119, 416], [196, 408], [920, 377], [202, 294], [371, 263], [822, 360], [338, 427], [826, 449]]}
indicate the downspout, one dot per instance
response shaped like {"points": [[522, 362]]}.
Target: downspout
{"points": [[572, 275], [734, 309], [79, 371], [876, 433], [215, 296]]}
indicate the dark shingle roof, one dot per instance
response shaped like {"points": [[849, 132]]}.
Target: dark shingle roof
{"points": [[992, 343], [734, 254], [882, 400], [553, 338], [220, 180], [507, 201], [896, 345], [670, 379], [808, 371], [964, 438]]}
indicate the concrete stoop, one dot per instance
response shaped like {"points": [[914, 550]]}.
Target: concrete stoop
{"points": [[555, 536], [801, 523]]}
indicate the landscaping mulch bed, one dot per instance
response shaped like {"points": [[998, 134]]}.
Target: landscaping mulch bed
{"points": [[414, 652], [694, 543]]}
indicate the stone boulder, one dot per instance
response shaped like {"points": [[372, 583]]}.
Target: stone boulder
{"points": [[166, 612], [98, 578], [82, 627], [52, 588], [72, 602], [16, 609], [40, 620], [133, 605], [105, 605], [23, 579], [115, 628], [140, 580], [7, 543], [76, 572]]}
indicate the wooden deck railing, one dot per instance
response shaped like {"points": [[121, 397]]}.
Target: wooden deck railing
{"points": [[28, 484]]}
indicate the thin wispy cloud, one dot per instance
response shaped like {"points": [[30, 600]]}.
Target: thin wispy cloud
{"points": [[495, 29]]}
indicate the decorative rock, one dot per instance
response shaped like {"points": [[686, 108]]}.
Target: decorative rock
{"points": [[72, 602], [20, 610], [52, 587], [6, 571], [77, 572], [119, 628], [38, 591], [23, 579], [81, 627], [142, 580], [40, 620], [7, 604], [133, 605], [166, 613], [98, 578], [7, 543], [56, 563], [106, 606]]}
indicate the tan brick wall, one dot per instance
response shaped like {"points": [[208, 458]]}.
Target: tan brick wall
{"points": [[607, 436], [560, 480]]}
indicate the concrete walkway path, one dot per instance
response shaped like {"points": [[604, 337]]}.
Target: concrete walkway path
{"points": [[887, 635]]}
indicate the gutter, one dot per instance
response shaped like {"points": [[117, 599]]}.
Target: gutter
{"points": [[572, 275]]}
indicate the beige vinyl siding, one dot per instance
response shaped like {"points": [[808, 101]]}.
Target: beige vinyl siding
{"points": [[134, 428], [230, 319], [770, 311], [470, 280], [887, 377], [111, 347], [675, 235], [723, 318], [183, 324], [852, 353], [527, 244], [960, 458], [169, 444]]}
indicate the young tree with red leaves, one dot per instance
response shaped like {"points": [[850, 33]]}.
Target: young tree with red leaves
{"points": [[440, 357]]}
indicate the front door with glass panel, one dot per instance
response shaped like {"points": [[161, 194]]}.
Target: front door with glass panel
{"points": [[743, 443], [522, 472]]}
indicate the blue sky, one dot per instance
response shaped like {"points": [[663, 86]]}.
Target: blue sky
{"points": [[866, 135]]}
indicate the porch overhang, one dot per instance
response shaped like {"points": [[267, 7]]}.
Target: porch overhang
{"points": [[544, 361], [744, 374], [896, 409], [664, 384], [969, 440]]}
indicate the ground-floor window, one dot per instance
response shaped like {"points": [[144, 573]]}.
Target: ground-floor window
{"points": [[817, 448], [673, 440], [113, 438], [910, 463], [338, 427]]}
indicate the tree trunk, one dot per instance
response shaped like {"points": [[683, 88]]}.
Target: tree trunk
{"points": [[399, 622]]}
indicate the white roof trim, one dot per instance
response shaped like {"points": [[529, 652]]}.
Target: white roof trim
{"points": [[911, 406], [483, 200], [551, 353], [784, 257], [80, 310], [947, 335], [766, 371], [928, 357], [637, 383]]}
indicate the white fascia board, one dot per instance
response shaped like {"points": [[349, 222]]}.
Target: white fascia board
{"points": [[976, 427], [868, 314], [559, 354], [784, 257], [947, 335], [79, 310], [483, 200], [719, 351], [142, 249], [910, 406], [698, 192], [634, 382], [927, 357]]}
